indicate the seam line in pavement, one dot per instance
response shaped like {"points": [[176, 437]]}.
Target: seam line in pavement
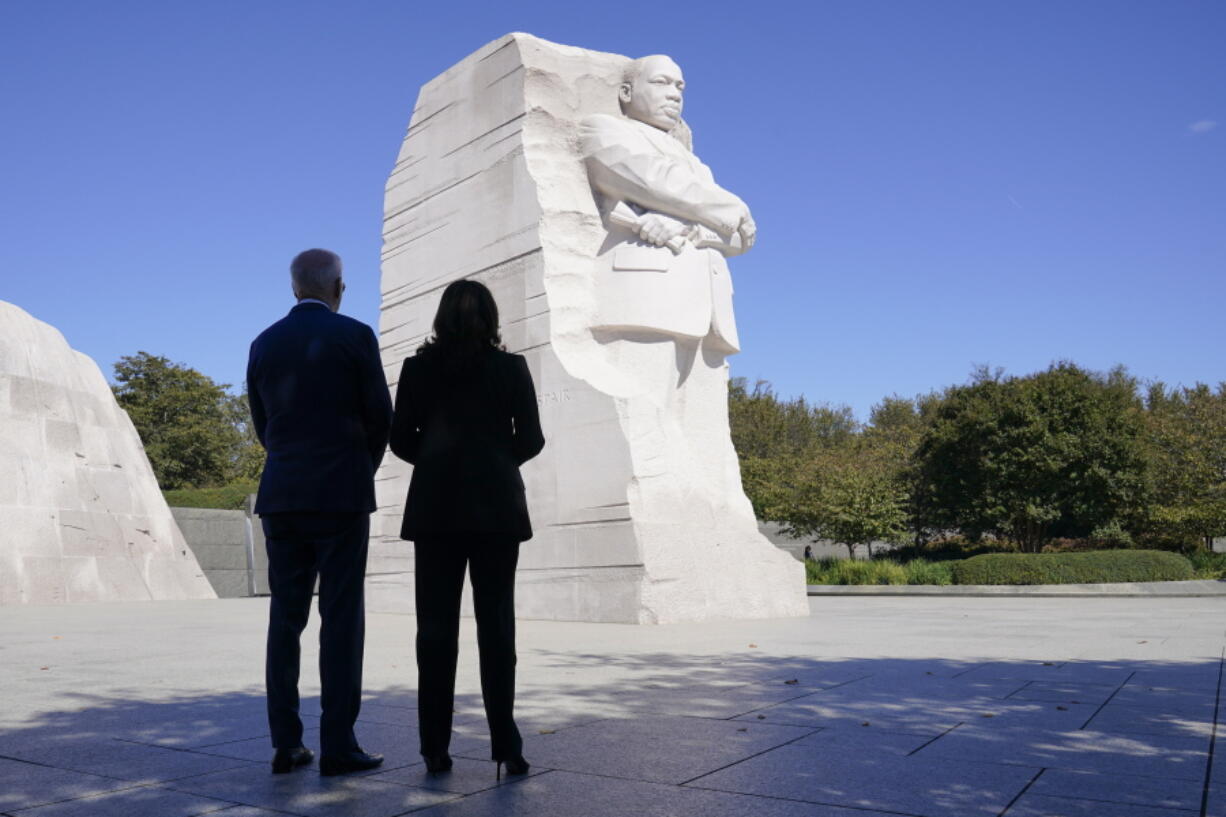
{"points": [[789, 700], [188, 749], [969, 669], [1019, 689], [30, 762], [938, 737], [1115, 692], [1217, 704], [749, 757], [1025, 789]]}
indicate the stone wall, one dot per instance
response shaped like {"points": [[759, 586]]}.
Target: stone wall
{"points": [[229, 545]]}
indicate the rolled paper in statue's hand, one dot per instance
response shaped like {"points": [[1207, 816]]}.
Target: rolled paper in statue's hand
{"points": [[623, 216]]}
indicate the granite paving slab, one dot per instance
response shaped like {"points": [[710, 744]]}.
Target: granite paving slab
{"points": [[399, 745], [604, 701], [664, 749], [862, 739], [871, 779], [1200, 676], [1085, 750], [1042, 714], [1216, 802], [306, 793], [1149, 721], [132, 802], [1190, 702], [707, 702], [894, 685], [568, 794], [136, 763], [1064, 693], [1056, 672], [24, 785], [1160, 792], [181, 722], [467, 776], [915, 715], [255, 750], [1037, 805]]}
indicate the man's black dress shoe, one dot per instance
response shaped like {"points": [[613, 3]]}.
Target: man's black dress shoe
{"points": [[437, 764], [355, 761], [286, 760]]}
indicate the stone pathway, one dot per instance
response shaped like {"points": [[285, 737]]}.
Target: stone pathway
{"points": [[938, 707]]}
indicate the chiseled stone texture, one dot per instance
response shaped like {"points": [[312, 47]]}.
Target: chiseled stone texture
{"points": [[490, 185], [81, 516]]}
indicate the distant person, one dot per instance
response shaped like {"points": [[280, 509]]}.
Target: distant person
{"points": [[321, 408], [466, 418], [808, 553]]}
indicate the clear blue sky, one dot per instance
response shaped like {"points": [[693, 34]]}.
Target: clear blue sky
{"points": [[936, 184]]}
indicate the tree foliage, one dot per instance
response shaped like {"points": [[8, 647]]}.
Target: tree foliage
{"points": [[1186, 436], [193, 430], [1058, 453], [1063, 459], [808, 467]]}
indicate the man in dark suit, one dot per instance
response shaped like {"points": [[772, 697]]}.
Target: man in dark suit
{"points": [[321, 409]]}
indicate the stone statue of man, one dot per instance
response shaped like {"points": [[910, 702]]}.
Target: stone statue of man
{"points": [[663, 292], [662, 269]]}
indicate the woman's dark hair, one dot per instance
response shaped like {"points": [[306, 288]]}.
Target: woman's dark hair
{"points": [[465, 326]]}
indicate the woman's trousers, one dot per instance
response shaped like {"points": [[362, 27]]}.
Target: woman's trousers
{"points": [[439, 579]]}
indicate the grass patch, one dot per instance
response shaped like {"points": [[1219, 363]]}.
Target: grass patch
{"points": [[876, 571], [231, 497], [921, 571], [1208, 565]]}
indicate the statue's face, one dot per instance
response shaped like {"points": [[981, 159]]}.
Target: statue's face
{"points": [[655, 95]]}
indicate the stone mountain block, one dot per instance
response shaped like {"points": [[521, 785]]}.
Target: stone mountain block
{"points": [[81, 515]]}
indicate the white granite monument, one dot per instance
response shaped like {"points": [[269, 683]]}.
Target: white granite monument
{"points": [[564, 180], [81, 516]]}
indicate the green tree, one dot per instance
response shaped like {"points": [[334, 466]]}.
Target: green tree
{"points": [[774, 437], [1057, 453], [192, 429], [852, 494], [1186, 435], [247, 461]]}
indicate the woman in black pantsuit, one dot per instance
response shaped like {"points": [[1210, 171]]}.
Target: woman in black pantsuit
{"points": [[466, 418]]}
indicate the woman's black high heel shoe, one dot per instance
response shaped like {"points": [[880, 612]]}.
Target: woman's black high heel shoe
{"points": [[437, 764], [515, 765]]}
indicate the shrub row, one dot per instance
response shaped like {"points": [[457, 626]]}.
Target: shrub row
{"points": [[1022, 568], [228, 497], [1073, 568]]}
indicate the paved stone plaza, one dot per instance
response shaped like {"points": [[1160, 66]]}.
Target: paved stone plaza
{"points": [[871, 706]]}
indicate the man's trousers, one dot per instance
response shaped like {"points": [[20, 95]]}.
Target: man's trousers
{"points": [[333, 547]]}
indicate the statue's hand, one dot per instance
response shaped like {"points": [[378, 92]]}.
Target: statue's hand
{"points": [[748, 231], [659, 229]]}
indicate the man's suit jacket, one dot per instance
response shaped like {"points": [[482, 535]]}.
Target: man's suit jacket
{"points": [[321, 408], [466, 434], [640, 285]]}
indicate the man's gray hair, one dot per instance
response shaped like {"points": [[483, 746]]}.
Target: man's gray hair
{"points": [[315, 273]]}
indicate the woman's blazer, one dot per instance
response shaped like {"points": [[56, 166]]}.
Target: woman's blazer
{"points": [[466, 434]]}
